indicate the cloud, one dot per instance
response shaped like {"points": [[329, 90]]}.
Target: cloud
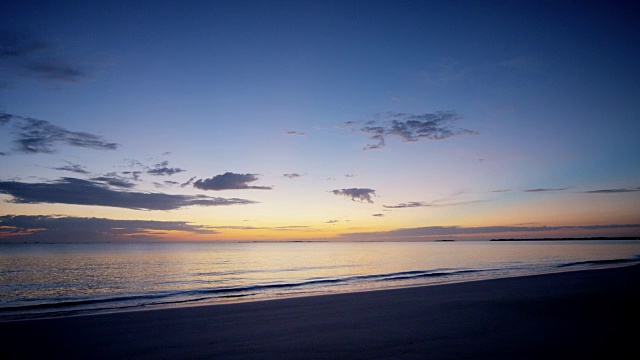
{"points": [[444, 73], [162, 169], [188, 182], [279, 228], [377, 215], [17, 45], [291, 176], [500, 109], [545, 189], [361, 194], [332, 221], [436, 203], [295, 133], [134, 175], [429, 232], [30, 56], [611, 191], [55, 69], [412, 127], [406, 205], [80, 229], [85, 192], [114, 180], [74, 168], [229, 181], [350, 175], [34, 136]]}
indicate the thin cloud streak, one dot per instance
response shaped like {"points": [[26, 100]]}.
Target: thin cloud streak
{"points": [[545, 190], [428, 232], [74, 168], [279, 228], [611, 191], [414, 204]]}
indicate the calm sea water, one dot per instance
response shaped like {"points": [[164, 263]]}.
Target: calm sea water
{"points": [[44, 280]]}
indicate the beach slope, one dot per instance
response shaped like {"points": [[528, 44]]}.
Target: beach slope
{"points": [[573, 315]]}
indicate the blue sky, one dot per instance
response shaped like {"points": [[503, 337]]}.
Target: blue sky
{"points": [[260, 120]]}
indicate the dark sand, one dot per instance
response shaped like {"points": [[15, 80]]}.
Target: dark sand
{"points": [[577, 315]]}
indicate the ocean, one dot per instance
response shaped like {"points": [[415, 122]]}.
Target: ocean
{"points": [[53, 280]]}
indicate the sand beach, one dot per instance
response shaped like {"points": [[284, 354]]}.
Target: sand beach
{"points": [[571, 315]]}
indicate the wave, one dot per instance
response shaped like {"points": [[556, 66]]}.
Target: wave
{"points": [[177, 297], [243, 272], [602, 262]]}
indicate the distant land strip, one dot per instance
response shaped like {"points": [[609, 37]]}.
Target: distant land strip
{"points": [[572, 239]]}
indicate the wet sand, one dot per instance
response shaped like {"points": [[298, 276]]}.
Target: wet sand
{"points": [[590, 314]]}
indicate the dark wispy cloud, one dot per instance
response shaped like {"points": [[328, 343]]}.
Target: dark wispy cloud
{"points": [[86, 192], [360, 194], [347, 124], [133, 175], [15, 44], [295, 133], [545, 189], [55, 69], [163, 169], [81, 229], [350, 175], [114, 179], [229, 181], [434, 231], [40, 136], [188, 182], [377, 215], [27, 55], [74, 168], [611, 191], [412, 127], [292, 176]]}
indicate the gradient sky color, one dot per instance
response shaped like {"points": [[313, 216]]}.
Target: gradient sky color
{"points": [[326, 120]]}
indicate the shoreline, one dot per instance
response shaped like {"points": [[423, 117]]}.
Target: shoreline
{"points": [[566, 314], [248, 299]]}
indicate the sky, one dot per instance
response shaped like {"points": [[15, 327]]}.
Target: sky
{"points": [[318, 120]]}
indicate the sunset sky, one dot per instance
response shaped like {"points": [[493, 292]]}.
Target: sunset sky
{"points": [[327, 120]]}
